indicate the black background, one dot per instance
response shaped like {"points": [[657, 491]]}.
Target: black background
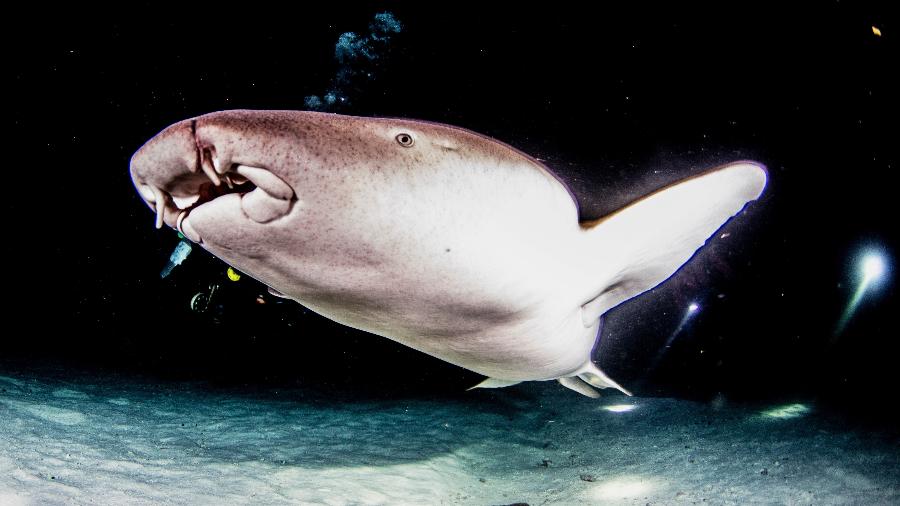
{"points": [[617, 101]]}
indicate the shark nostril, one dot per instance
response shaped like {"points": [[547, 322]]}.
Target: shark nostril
{"points": [[211, 154], [206, 163], [220, 164], [219, 160]]}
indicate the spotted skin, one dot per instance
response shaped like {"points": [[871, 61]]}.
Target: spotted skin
{"points": [[442, 239]]}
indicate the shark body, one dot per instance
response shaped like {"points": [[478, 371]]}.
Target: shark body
{"points": [[437, 237]]}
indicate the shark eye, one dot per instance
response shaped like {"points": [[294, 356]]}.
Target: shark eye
{"points": [[405, 140]]}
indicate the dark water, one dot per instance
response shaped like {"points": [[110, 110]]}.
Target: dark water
{"points": [[617, 102]]}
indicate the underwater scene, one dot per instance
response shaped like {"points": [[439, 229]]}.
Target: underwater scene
{"points": [[404, 253]]}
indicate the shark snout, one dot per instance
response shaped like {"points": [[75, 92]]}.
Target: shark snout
{"points": [[196, 161], [161, 168]]}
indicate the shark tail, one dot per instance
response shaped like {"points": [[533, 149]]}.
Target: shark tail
{"points": [[643, 244]]}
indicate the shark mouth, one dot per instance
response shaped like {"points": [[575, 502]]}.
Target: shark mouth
{"points": [[264, 197]]}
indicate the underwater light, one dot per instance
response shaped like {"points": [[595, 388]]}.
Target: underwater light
{"points": [[872, 266], [689, 314], [787, 411], [619, 408]]}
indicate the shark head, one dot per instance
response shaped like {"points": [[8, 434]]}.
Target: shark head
{"points": [[253, 187]]}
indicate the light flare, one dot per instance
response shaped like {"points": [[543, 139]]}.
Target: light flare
{"points": [[872, 268], [619, 408], [787, 411], [623, 487]]}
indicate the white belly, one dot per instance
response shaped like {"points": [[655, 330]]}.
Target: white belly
{"points": [[454, 270]]}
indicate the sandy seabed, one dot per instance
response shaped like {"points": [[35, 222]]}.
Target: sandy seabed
{"points": [[108, 440]]}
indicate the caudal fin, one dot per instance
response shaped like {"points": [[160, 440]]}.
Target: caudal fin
{"points": [[642, 245]]}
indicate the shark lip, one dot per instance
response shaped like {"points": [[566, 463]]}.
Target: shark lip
{"points": [[207, 192], [183, 193], [180, 170], [263, 195]]}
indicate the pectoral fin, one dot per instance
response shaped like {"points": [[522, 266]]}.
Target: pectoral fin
{"points": [[640, 246]]}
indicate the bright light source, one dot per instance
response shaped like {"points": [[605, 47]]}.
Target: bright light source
{"points": [[872, 266], [688, 315], [619, 408], [787, 411]]}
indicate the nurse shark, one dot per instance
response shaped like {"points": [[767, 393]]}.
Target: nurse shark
{"points": [[437, 237]]}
